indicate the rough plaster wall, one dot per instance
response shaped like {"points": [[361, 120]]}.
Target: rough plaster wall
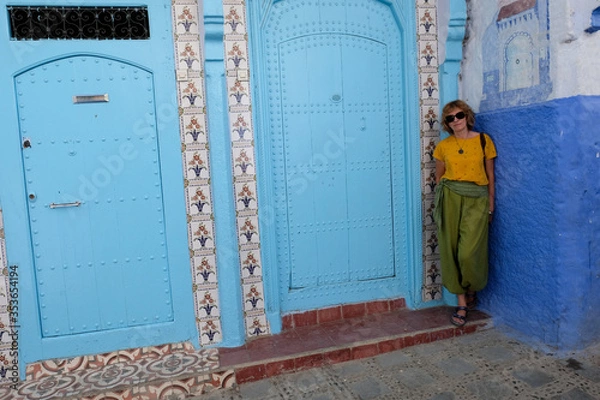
{"points": [[577, 209], [575, 67], [522, 237]]}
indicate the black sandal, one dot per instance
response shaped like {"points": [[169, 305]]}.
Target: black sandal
{"points": [[462, 318], [471, 298]]}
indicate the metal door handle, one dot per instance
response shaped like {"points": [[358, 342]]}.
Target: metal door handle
{"points": [[64, 205]]}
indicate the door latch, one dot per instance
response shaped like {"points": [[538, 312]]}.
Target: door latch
{"points": [[65, 205]]}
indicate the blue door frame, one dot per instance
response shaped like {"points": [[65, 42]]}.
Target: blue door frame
{"points": [[156, 57]]}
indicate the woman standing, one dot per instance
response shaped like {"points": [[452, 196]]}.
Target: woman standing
{"points": [[464, 205]]}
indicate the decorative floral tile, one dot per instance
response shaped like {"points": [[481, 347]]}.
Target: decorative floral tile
{"points": [[236, 55], [429, 87], [235, 22], [428, 144], [256, 326], [208, 302], [211, 331], [427, 21], [8, 366], [431, 243], [202, 235], [428, 54], [248, 230], [205, 269], [253, 296], [190, 93], [430, 120], [431, 292], [196, 164], [186, 19], [245, 196], [428, 208], [243, 162], [433, 273], [251, 264], [188, 55], [238, 92], [241, 126], [199, 200], [428, 179], [194, 130]]}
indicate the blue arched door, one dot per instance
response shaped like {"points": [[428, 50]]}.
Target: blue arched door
{"points": [[331, 93]]}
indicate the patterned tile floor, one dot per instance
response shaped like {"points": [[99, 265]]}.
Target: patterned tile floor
{"points": [[162, 372]]}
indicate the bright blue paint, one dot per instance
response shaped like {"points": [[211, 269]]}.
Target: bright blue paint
{"points": [[545, 262], [595, 21], [21, 56], [317, 140], [450, 68], [228, 267], [94, 271]]}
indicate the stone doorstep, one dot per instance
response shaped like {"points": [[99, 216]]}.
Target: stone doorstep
{"points": [[258, 370], [180, 371]]}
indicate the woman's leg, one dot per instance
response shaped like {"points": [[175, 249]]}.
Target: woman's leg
{"points": [[448, 241], [459, 317], [473, 244]]}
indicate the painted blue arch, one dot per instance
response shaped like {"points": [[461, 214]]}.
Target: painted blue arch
{"points": [[103, 56]]}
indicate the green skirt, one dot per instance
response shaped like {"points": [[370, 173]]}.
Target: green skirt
{"points": [[463, 222]]}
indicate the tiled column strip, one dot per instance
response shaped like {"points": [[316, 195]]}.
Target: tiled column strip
{"points": [[430, 133], [244, 166], [196, 169], [9, 363]]}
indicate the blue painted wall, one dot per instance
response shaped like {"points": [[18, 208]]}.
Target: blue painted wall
{"points": [[544, 256]]}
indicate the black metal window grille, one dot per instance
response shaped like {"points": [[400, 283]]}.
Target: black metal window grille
{"points": [[95, 23]]}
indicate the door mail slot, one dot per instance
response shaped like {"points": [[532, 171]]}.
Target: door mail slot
{"points": [[65, 205], [96, 98]]}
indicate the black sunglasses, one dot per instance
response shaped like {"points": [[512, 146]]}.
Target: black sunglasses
{"points": [[458, 115]]}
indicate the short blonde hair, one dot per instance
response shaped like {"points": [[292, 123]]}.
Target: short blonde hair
{"points": [[464, 107]]}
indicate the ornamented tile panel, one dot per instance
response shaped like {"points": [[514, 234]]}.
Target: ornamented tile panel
{"points": [[244, 165], [430, 134], [196, 169], [157, 372], [8, 358]]}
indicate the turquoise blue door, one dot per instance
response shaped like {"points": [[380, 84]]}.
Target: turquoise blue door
{"points": [[96, 211], [101, 181], [334, 111]]}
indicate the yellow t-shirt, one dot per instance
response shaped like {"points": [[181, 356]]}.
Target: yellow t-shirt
{"points": [[467, 166]]}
